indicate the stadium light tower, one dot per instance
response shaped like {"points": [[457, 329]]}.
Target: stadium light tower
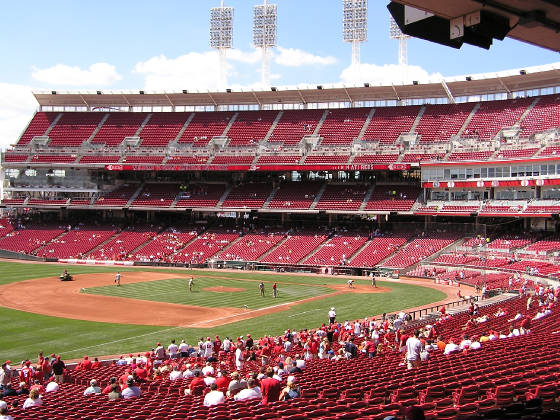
{"points": [[396, 33], [221, 36], [354, 25], [264, 36]]}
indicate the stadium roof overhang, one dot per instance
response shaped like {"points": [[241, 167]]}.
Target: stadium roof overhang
{"points": [[505, 82], [533, 21]]}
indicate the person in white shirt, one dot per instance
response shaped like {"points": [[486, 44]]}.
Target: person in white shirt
{"points": [[209, 379], [175, 374], [450, 347], [208, 348], [188, 373], [413, 349], [160, 352], [208, 369], [239, 357], [492, 336], [184, 349], [300, 363], [357, 328], [131, 391], [332, 316], [34, 400], [173, 350], [250, 393], [466, 343], [287, 346], [214, 397], [475, 345], [52, 386], [93, 388], [4, 414], [226, 345], [3, 404]]}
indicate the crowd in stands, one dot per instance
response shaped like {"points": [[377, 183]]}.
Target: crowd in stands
{"points": [[283, 375]]}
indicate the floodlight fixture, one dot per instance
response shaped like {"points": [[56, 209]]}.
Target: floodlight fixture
{"points": [[354, 25], [264, 36], [221, 36]]}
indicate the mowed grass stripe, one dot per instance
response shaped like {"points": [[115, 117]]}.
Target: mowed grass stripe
{"points": [[176, 291]]}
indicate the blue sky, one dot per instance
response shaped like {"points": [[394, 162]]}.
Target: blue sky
{"points": [[73, 45]]}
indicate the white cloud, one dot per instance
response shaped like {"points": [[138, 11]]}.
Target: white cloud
{"points": [[17, 105], [190, 71], [201, 70], [294, 57], [386, 74], [98, 74]]}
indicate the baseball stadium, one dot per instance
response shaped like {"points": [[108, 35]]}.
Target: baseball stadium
{"points": [[363, 251]]}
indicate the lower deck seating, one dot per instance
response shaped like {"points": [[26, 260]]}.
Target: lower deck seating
{"points": [[27, 239], [337, 250], [121, 245], [204, 247], [164, 244], [77, 242], [419, 249], [250, 247], [377, 250], [296, 247]]}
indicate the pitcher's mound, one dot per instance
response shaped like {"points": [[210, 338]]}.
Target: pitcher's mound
{"points": [[222, 289]]}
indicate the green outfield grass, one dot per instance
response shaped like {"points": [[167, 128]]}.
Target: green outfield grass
{"points": [[177, 291], [23, 334]]}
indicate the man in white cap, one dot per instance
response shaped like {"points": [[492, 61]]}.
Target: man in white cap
{"points": [[332, 316]]}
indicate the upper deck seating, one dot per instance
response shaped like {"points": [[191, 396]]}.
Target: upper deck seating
{"points": [[342, 126], [37, 126], [250, 127], [118, 126], [294, 125], [388, 123], [162, 128], [204, 126], [74, 128]]}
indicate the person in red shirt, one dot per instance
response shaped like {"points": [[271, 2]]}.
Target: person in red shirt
{"points": [[26, 374], [270, 387], [85, 364], [371, 348], [217, 344], [109, 387], [141, 373], [197, 384], [38, 386], [40, 359], [46, 369], [222, 380], [124, 378], [526, 324], [96, 363]]}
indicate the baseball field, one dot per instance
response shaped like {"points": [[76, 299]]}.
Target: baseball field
{"points": [[93, 316]]}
